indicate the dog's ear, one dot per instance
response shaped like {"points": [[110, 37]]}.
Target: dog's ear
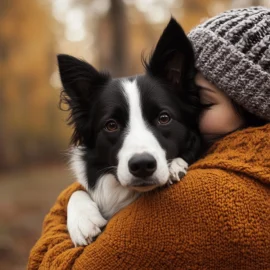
{"points": [[80, 80], [81, 83], [173, 56]]}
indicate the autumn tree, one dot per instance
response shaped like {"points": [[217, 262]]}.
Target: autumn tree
{"points": [[27, 101]]}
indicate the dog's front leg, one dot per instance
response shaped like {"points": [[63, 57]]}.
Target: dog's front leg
{"points": [[178, 169], [84, 220]]}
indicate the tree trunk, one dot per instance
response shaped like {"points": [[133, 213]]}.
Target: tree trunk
{"points": [[119, 51]]}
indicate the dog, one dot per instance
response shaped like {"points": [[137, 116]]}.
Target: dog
{"points": [[131, 135]]}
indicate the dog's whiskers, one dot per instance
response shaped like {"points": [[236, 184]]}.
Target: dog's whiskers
{"points": [[107, 170]]}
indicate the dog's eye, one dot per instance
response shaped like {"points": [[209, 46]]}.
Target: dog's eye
{"points": [[164, 118], [111, 126]]}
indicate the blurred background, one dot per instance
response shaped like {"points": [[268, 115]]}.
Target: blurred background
{"points": [[111, 35]]}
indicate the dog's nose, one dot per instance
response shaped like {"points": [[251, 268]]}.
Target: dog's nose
{"points": [[142, 165]]}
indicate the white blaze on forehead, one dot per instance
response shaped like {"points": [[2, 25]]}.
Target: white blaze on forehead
{"points": [[136, 124], [138, 138]]}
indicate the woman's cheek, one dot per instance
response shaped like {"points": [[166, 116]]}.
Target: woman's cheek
{"points": [[214, 120], [219, 119], [206, 122]]}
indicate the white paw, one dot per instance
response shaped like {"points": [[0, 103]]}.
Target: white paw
{"points": [[84, 221], [178, 169]]}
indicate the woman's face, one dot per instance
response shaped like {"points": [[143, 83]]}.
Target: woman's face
{"points": [[219, 117]]}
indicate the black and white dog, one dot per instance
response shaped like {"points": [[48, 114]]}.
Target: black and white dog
{"points": [[131, 134]]}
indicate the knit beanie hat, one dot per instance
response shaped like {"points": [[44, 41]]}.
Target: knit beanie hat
{"points": [[232, 51]]}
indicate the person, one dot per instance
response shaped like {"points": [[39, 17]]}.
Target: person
{"points": [[218, 216]]}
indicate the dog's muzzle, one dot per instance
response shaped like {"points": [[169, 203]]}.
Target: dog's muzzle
{"points": [[142, 167]]}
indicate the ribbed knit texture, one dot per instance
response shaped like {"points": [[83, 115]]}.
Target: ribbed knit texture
{"points": [[217, 217], [233, 52]]}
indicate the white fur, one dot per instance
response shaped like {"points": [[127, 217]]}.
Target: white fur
{"points": [[84, 220], [110, 196], [78, 165], [139, 139], [178, 167]]}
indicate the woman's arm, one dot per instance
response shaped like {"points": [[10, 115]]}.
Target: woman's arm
{"points": [[210, 220]]}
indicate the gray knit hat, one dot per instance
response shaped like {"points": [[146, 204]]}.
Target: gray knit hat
{"points": [[233, 52]]}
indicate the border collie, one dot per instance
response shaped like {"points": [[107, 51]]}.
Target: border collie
{"points": [[131, 135]]}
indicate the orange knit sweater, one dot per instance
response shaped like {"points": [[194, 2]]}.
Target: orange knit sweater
{"points": [[217, 217]]}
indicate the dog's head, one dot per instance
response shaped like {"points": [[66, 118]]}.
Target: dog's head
{"points": [[131, 127]]}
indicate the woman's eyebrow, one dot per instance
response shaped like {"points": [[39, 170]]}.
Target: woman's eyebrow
{"points": [[206, 89], [202, 83]]}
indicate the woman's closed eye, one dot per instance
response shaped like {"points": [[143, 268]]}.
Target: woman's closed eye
{"points": [[206, 106], [207, 98]]}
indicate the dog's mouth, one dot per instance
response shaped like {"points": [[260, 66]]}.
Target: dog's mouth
{"points": [[143, 188], [144, 185]]}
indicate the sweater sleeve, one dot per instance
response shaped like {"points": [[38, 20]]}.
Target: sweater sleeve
{"points": [[209, 220]]}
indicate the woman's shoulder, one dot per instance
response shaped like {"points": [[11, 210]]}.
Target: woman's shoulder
{"points": [[244, 140], [244, 152]]}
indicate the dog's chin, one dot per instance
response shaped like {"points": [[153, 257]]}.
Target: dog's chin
{"points": [[144, 185], [143, 188]]}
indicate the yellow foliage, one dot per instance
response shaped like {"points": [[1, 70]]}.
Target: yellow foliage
{"points": [[28, 105]]}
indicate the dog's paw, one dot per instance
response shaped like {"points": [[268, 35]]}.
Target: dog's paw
{"points": [[84, 221], [178, 169]]}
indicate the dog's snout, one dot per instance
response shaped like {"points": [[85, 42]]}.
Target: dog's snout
{"points": [[142, 165]]}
